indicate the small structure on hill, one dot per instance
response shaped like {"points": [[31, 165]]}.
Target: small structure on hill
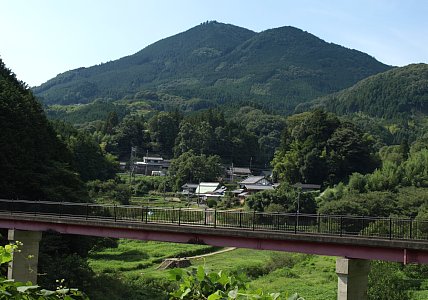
{"points": [[307, 187], [171, 263]]}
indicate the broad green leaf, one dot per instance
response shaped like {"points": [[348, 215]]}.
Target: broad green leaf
{"points": [[233, 293], [25, 288], [186, 292], [295, 296], [176, 274], [213, 277], [200, 275], [224, 279], [215, 296]]}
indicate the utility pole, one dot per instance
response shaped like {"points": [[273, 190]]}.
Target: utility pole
{"points": [[147, 156], [132, 164], [299, 190]]}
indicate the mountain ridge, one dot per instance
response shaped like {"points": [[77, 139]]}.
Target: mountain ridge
{"points": [[402, 91], [282, 66]]}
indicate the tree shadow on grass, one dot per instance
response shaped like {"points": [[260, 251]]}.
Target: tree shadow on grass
{"points": [[128, 256], [113, 287]]}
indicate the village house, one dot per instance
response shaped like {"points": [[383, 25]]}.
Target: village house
{"points": [[189, 188], [207, 190], [254, 180], [152, 166], [252, 185], [237, 173]]}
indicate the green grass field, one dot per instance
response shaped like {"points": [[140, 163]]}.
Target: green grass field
{"points": [[134, 263]]}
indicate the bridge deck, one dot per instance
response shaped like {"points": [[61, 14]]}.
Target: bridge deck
{"points": [[255, 237]]}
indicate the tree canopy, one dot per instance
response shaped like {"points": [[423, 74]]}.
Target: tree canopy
{"points": [[34, 163], [319, 148]]}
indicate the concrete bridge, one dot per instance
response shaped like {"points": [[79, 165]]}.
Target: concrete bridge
{"points": [[357, 240]]}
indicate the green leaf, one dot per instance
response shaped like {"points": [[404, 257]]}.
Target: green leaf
{"points": [[276, 296], [224, 279], [233, 293], [5, 257], [295, 296], [200, 275], [47, 293], [215, 296], [186, 292], [176, 274], [25, 288], [213, 277]]}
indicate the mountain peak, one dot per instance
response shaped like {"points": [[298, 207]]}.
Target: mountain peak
{"points": [[215, 61]]}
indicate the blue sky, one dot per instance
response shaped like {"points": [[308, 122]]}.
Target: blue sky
{"points": [[39, 39]]}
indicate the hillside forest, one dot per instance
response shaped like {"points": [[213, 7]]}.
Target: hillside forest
{"points": [[360, 134]]}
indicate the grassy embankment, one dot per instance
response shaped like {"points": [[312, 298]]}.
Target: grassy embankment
{"points": [[134, 264]]}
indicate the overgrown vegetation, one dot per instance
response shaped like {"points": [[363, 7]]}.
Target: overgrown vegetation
{"points": [[10, 289]]}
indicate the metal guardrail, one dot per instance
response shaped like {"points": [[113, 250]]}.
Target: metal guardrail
{"points": [[379, 227]]}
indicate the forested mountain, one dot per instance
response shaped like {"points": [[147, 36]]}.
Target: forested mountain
{"points": [[400, 92], [218, 63]]}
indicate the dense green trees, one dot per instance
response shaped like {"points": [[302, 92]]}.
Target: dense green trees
{"points": [[164, 128], [400, 92], [218, 63], [131, 132], [266, 127], [318, 148], [283, 199], [398, 187], [34, 163], [88, 159], [190, 167], [209, 133]]}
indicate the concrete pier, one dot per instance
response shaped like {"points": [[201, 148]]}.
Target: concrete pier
{"points": [[352, 278], [23, 266]]}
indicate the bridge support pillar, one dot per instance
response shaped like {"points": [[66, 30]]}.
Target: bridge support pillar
{"points": [[353, 278], [23, 266]]}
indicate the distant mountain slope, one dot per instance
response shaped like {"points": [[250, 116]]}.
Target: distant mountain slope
{"points": [[400, 92], [220, 62]]}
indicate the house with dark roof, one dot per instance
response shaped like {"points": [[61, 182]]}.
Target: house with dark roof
{"points": [[252, 185], [189, 188], [254, 180], [307, 187], [237, 173]]}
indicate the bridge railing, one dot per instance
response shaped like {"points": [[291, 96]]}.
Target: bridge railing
{"points": [[379, 227]]}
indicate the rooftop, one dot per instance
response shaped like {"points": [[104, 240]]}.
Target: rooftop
{"points": [[252, 179], [256, 187]]}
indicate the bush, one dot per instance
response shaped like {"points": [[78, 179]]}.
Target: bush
{"points": [[109, 191], [211, 203], [388, 282]]}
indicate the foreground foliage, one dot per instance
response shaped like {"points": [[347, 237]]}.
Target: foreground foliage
{"points": [[201, 284], [10, 289]]}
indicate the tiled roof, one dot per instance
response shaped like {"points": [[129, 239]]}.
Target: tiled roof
{"points": [[252, 179]]}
